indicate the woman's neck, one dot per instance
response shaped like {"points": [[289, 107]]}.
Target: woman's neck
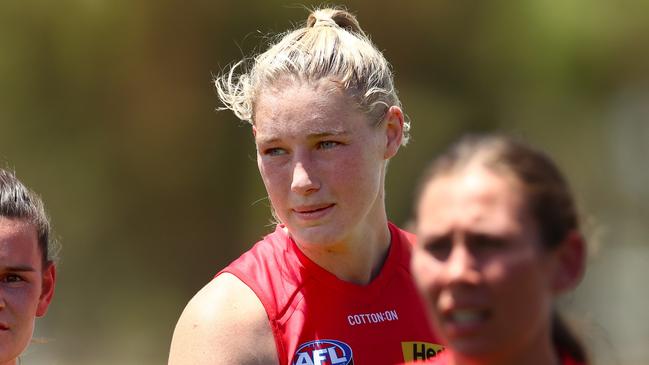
{"points": [[539, 352], [357, 259]]}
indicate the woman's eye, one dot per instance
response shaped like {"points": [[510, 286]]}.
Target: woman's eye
{"points": [[491, 242], [440, 253], [328, 144], [440, 249], [276, 151], [12, 278], [483, 244]]}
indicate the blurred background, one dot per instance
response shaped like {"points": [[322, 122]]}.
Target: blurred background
{"points": [[108, 111]]}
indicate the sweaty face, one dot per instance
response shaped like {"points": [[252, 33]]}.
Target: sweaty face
{"points": [[322, 162], [25, 286], [480, 264]]}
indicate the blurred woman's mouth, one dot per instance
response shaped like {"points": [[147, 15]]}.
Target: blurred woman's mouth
{"points": [[464, 321]]}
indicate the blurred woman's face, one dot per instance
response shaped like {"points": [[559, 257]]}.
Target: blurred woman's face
{"points": [[480, 264], [322, 161], [26, 287]]}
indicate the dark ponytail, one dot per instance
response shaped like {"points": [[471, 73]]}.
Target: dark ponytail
{"points": [[565, 341]]}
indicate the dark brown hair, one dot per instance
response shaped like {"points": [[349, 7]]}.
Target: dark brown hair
{"points": [[19, 202], [546, 192]]}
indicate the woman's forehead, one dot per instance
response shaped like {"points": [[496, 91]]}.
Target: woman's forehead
{"points": [[305, 111], [18, 242], [10, 224], [470, 197]]}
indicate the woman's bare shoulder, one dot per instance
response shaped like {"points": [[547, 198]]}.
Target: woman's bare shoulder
{"points": [[224, 323]]}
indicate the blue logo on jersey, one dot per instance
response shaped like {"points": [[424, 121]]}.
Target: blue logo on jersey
{"points": [[323, 352]]}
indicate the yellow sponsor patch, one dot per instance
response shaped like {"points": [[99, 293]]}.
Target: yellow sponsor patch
{"points": [[413, 351]]}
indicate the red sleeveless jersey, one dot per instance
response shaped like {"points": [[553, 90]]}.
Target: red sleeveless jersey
{"points": [[318, 319]]}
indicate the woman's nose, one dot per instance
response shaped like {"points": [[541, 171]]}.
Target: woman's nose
{"points": [[462, 266], [303, 181]]}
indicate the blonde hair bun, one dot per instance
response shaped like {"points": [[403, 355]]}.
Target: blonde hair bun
{"points": [[334, 17]]}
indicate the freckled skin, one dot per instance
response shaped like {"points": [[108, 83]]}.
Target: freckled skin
{"points": [[316, 150], [510, 278], [26, 287]]}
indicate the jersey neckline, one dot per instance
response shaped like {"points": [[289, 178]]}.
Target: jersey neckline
{"points": [[364, 293]]}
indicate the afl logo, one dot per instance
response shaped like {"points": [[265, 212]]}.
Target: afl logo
{"points": [[323, 352]]}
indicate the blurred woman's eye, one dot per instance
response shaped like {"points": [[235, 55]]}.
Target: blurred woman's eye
{"points": [[482, 243], [439, 248]]}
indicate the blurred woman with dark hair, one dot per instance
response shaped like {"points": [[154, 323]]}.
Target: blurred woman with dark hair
{"points": [[498, 241]]}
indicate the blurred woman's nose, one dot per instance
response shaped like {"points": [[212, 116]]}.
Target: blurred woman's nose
{"points": [[461, 266]]}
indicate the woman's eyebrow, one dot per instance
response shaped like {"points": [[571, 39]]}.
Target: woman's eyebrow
{"points": [[435, 239], [19, 268], [331, 133]]}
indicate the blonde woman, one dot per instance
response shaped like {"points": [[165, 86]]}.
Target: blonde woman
{"points": [[332, 283]]}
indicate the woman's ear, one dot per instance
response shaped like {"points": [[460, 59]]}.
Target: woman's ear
{"points": [[394, 131], [570, 257], [47, 289]]}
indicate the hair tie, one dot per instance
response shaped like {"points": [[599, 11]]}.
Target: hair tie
{"points": [[326, 22]]}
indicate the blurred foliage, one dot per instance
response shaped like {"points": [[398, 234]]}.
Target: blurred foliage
{"points": [[107, 110]]}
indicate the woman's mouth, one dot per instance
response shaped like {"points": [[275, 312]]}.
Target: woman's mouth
{"points": [[312, 212], [464, 321]]}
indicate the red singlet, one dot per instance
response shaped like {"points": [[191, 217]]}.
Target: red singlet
{"points": [[318, 319]]}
